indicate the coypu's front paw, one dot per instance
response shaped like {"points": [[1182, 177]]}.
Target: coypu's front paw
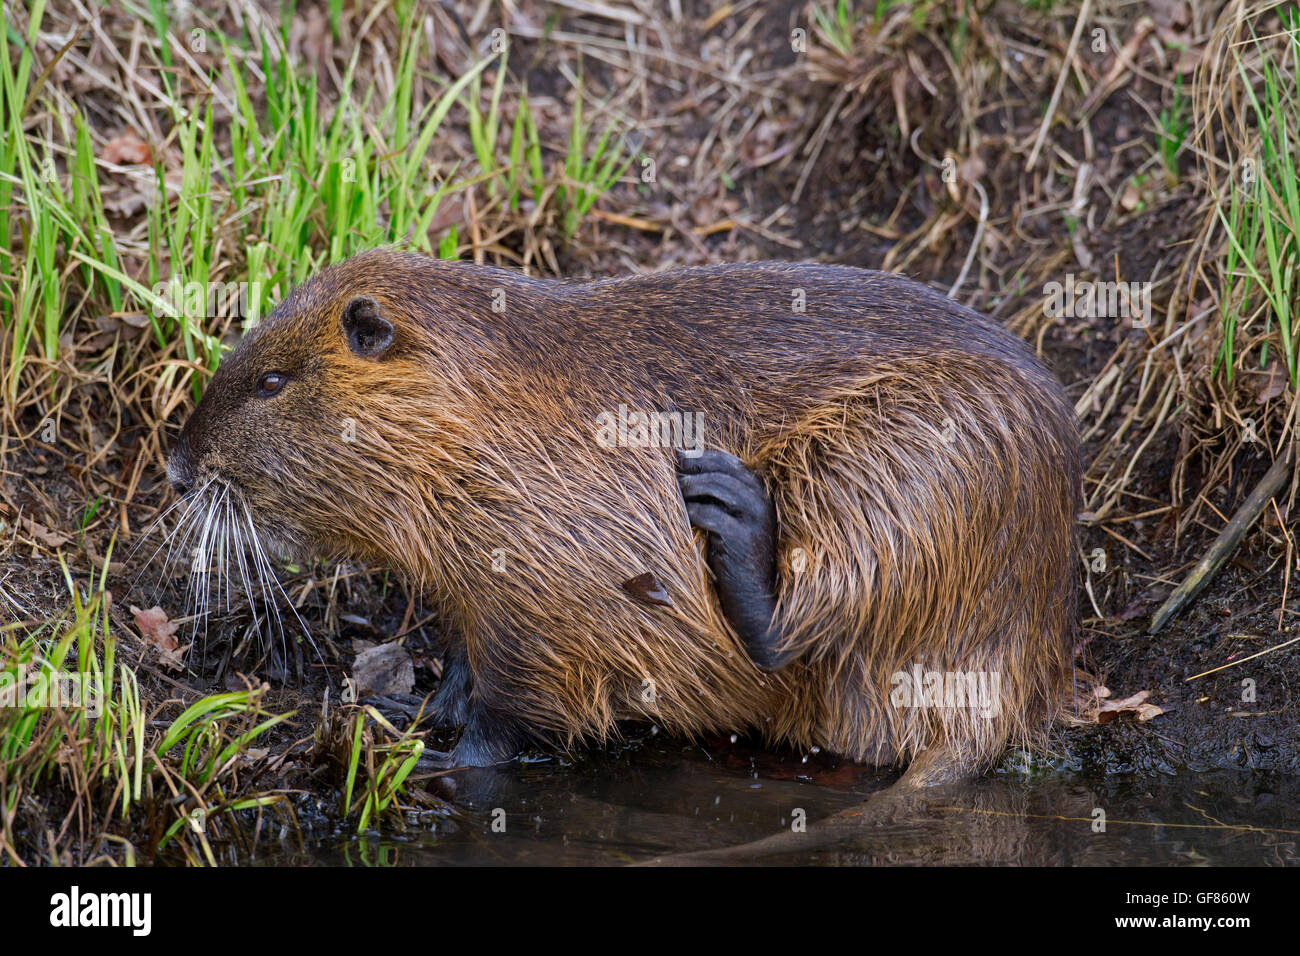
{"points": [[727, 500], [450, 706], [488, 738]]}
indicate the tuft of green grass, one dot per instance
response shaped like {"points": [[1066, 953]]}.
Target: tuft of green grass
{"points": [[294, 182], [592, 165], [838, 23], [523, 151], [33, 305], [389, 757], [1173, 127], [75, 728], [87, 516], [589, 172], [1262, 219]]}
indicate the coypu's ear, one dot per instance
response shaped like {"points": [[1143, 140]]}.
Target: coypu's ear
{"points": [[369, 333]]}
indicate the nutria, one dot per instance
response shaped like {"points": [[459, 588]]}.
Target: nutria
{"points": [[882, 487]]}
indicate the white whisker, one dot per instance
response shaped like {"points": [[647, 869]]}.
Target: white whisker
{"points": [[216, 534]]}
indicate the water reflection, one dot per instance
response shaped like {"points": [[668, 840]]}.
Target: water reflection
{"points": [[656, 797]]}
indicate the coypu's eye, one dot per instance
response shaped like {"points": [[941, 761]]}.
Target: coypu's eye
{"points": [[270, 383]]}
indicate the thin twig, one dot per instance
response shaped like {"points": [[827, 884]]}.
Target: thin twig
{"points": [[1084, 11]]}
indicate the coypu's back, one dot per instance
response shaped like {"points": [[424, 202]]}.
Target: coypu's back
{"points": [[787, 335], [764, 315], [738, 342]]}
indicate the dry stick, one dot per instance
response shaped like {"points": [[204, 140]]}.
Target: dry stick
{"points": [[49, 69], [1125, 60], [1060, 83], [1224, 667], [611, 12], [1286, 577], [1227, 541], [1126, 541], [819, 140], [975, 243]]}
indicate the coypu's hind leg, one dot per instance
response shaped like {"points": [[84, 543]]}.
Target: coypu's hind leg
{"points": [[727, 500]]}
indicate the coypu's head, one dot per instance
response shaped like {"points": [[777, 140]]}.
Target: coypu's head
{"points": [[322, 432]]}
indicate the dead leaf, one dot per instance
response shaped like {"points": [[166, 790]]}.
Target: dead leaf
{"points": [[127, 150], [1273, 385], [97, 559], [1136, 608], [51, 539], [385, 669], [1145, 712], [1170, 13], [129, 323], [123, 202], [160, 633], [1097, 709]]}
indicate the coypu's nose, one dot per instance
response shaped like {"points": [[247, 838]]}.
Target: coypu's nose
{"points": [[179, 470]]}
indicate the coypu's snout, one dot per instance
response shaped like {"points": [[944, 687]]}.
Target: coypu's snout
{"points": [[180, 467]]}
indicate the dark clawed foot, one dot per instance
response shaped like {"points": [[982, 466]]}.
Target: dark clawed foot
{"points": [[434, 760], [396, 706], [727, 500], [486, 740]]}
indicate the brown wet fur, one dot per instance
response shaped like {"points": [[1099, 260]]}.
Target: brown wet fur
{"points": [[920, 457]]}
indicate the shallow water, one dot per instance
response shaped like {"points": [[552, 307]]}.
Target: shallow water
{"points": [[653, 797]]}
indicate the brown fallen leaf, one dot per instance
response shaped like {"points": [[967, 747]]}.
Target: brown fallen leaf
{"points": [[385, 669], [158, 632], [127, 150], [1097, 709], [97, 559], [1137, 607], [123, 202], [1170, 13], [130, 324], [51, 539], [1273, 384]]}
